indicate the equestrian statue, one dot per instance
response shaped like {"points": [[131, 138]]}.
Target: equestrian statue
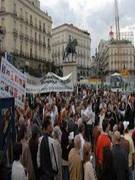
{"points": [[70, 49]]}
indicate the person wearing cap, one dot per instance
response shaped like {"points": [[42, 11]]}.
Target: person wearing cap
{"points": [[75, 164], [119, 158]]}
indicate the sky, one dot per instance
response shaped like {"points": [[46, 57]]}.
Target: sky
{"points": [[95, 16]]}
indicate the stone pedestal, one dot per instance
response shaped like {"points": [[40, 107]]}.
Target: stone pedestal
{"points": [[70, 67]]}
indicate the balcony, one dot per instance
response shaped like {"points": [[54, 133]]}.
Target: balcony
{"points": [[26, 37], [49, 34], [22, 54], [15, 32], [36, 26], [2, 30], [36, 41], [27, 55], [21, 18], [31, 23], [2, 9], [31, 40], [16, 52], [49, 47], [15, 13], [26, 21], [40, 29], [2, 51], [21, 35], [44, 44], [44, 30], [40, 42]]}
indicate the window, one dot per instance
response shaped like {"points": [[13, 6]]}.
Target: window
{"points": [[48, 42], [35, 22], [35, 36], [44, 39], [31, 51], [39, 38], [26, 30], [21, 12], [31, 20], [39, 25], [20, 27], [44, 27], [15, 43], [2, 5], [3, 22], [20, 47]]}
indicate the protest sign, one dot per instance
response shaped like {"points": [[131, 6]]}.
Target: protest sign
{"points": [[51, 83], [13, 83]]}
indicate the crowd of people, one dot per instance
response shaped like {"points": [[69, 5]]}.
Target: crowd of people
{"points": [[76, 136]]}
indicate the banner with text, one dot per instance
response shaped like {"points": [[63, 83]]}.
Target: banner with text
{"points": [[51, 83], [13, 83]]}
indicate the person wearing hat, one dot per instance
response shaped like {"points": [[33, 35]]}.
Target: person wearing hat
{"points": [[119, 158]]}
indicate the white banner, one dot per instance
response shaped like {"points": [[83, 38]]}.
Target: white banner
{"points": [[13, 83], [51, 83]]}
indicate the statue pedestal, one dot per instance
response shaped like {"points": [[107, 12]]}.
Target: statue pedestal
{"points": [[70, 67]]}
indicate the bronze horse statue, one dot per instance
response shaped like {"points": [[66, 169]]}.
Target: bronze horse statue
{"points": [[70, 49]]}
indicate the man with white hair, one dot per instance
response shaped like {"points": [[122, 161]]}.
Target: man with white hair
{"points": [[57, 142], [75, 164]]}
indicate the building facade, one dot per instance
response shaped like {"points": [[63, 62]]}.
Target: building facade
{"points": [[119, 55], [60, 39], [27, 32]]}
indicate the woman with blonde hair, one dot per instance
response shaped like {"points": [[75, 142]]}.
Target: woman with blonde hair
{"points": [[88, 173]]}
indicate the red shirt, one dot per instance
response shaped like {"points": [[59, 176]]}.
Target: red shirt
{"points": [[103, 141]]}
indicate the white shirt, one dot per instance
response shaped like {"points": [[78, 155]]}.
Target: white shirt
{"points": [[82, 144], [18, 172], [101, 118], [90, 115], [38, 152], [89, 173]]}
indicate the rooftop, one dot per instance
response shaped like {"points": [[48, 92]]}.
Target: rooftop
{"points": [[123, 41], [72, 26]]}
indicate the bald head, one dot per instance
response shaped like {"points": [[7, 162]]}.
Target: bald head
{"points": [[77, 142]]}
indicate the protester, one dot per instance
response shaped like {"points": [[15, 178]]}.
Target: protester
{"points": [[57, 137], [47, 153], [82, 134], [89, 173], [26, 155], [93, 116], [131, 155], [33, 145], [18, 170], [74, 160], [130, 112], [102, 142], [65, 151], [120, 160], [108, 170]]}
